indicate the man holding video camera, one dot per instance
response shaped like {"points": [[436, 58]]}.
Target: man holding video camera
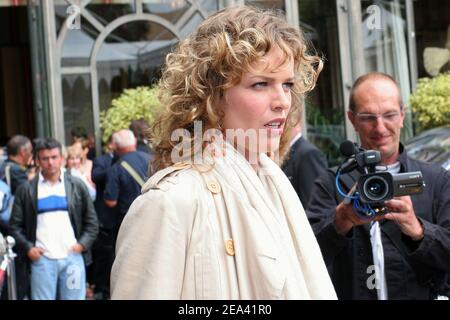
{"points": [[401, 254]]}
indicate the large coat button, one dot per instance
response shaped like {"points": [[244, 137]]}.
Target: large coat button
{"points": [[213, 186], [229, 247]]}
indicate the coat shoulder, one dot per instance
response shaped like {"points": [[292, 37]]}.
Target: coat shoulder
{"points": [[172, 195], [172, 178], [179, 184]]}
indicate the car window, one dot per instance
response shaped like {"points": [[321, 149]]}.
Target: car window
{"points": [[431, 146]]}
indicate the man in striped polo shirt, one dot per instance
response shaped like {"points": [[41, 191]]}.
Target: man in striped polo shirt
{"points": [[54, 223]]}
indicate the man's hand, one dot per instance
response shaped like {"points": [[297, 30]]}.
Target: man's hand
{"points": [[35, 253], [110, 203], [78, 248], [346, 218], [402, 212], [31, 173]]}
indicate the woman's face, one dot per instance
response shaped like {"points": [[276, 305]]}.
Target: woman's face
{"points": [[84, 151], [259, 104], [73, 161]]}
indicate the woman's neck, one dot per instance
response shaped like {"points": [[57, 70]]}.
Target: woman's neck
{"points": [[252, 158]]}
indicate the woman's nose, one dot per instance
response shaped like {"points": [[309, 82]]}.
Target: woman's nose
{"points": [[281, 99]]}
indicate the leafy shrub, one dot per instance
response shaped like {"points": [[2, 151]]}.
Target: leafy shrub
{"points": [[431, 102], [133, 104]]}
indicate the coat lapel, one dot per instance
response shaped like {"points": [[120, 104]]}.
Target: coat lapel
{"points": [[68, 187], [276, 237], [34, 193]]}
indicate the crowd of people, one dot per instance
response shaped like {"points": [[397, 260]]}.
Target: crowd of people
{"points": [[65, 211], [247, 210]]}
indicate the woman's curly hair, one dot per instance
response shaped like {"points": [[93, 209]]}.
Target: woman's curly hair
{"points": [[213, 59]]}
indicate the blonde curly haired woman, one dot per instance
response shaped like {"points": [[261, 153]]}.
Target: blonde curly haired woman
{"points": [[219, 219]]}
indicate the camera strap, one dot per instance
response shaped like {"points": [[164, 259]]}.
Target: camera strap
{"points": [[132, 173]]}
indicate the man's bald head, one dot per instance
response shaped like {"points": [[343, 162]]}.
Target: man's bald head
{"points": [[371, 76], [377, 114], [124, 138], [125, 141]]}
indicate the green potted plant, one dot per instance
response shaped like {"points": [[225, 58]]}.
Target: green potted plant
{"points": [[132, 104], [430, 102]]}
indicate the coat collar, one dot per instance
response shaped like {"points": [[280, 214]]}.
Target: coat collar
{"points": [[33, 191], [68, 187], [403, 158]]}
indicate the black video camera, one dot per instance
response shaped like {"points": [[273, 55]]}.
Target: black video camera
{"points": [[381, 186], [376, 187]]}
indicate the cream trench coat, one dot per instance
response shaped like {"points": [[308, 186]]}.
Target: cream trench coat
{"points": [[193, 235]]}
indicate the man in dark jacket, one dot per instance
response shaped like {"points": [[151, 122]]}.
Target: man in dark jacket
{"points": [[304, 164], [108, 218], [140, 130], [404, 254], [126, 177], [54, 222], [14, 171]]}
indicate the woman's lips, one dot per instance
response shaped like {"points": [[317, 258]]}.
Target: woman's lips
{"points": [[274, 130], [275, 127]]}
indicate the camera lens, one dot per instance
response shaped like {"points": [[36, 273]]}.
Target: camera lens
{"points": [[375, 188]]}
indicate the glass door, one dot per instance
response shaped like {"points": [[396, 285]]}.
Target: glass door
{"points": [[384, 31], [324, 106]]}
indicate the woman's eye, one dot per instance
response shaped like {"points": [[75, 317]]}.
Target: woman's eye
{"points": [[260, 85], [288, 85]]}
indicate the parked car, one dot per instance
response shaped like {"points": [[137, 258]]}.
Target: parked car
{"points": [[432, 146]]}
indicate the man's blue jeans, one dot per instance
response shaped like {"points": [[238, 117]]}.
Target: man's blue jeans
{"points": [[63, 279]]}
